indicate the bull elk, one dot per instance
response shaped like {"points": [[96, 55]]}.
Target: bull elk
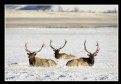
{"points": [[61, 55], [35, 61], [84, 61]]}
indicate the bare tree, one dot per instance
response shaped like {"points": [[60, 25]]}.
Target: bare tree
{"points": [[76, 9], [60, 9]]}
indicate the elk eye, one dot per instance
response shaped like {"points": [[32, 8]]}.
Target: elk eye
{"points": [[88, 54], [28, 53], [34, 53]]}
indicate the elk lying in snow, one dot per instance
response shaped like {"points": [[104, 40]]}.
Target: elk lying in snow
{"points": [[84, 61], [35, 61], [61, 55]]}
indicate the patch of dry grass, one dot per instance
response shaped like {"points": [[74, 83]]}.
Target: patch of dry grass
{"points": [[17, 18]]}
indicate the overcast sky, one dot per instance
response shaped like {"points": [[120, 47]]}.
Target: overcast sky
{"points": [[81, 7]]}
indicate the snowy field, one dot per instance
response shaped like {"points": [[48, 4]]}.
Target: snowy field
{"points": [[16, 60]]}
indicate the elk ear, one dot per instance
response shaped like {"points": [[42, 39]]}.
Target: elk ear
{"points": [[95, 54], [88, 54], [28, 53]]}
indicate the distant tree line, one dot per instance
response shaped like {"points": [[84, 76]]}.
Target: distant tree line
{"points": [[111, 11], [60, 9], [76, 9]]}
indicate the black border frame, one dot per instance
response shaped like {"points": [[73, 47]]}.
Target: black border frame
{"points": [[90, 2]]}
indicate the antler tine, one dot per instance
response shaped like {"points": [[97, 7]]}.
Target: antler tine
{"points": [[26, 48], [97, 50], [85, 47], [51, 45], [63, 45], [41, 48]]}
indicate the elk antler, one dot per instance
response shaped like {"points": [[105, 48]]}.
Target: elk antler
{"points": [[51, 45], [63, 45], [41, 48], [97, 50], [85, 47], [26, 48]]}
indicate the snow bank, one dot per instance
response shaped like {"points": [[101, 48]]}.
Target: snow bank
{"points": [[16, 60]]}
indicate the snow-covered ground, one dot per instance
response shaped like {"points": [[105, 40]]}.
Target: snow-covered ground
{"points": [[16, 60]]}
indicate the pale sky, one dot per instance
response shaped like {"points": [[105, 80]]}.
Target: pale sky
{"points": [[82, 7]]}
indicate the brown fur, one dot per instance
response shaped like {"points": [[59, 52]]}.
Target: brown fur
{"points": [[79, 62], [65, 56], [42, 62]]}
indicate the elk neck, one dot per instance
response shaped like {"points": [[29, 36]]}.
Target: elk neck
{"points": [[56, 54], [91, 61], [32, 61]]}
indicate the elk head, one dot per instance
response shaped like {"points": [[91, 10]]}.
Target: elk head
{"points": [[91, 55], [56, 50], [31, 53]]}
